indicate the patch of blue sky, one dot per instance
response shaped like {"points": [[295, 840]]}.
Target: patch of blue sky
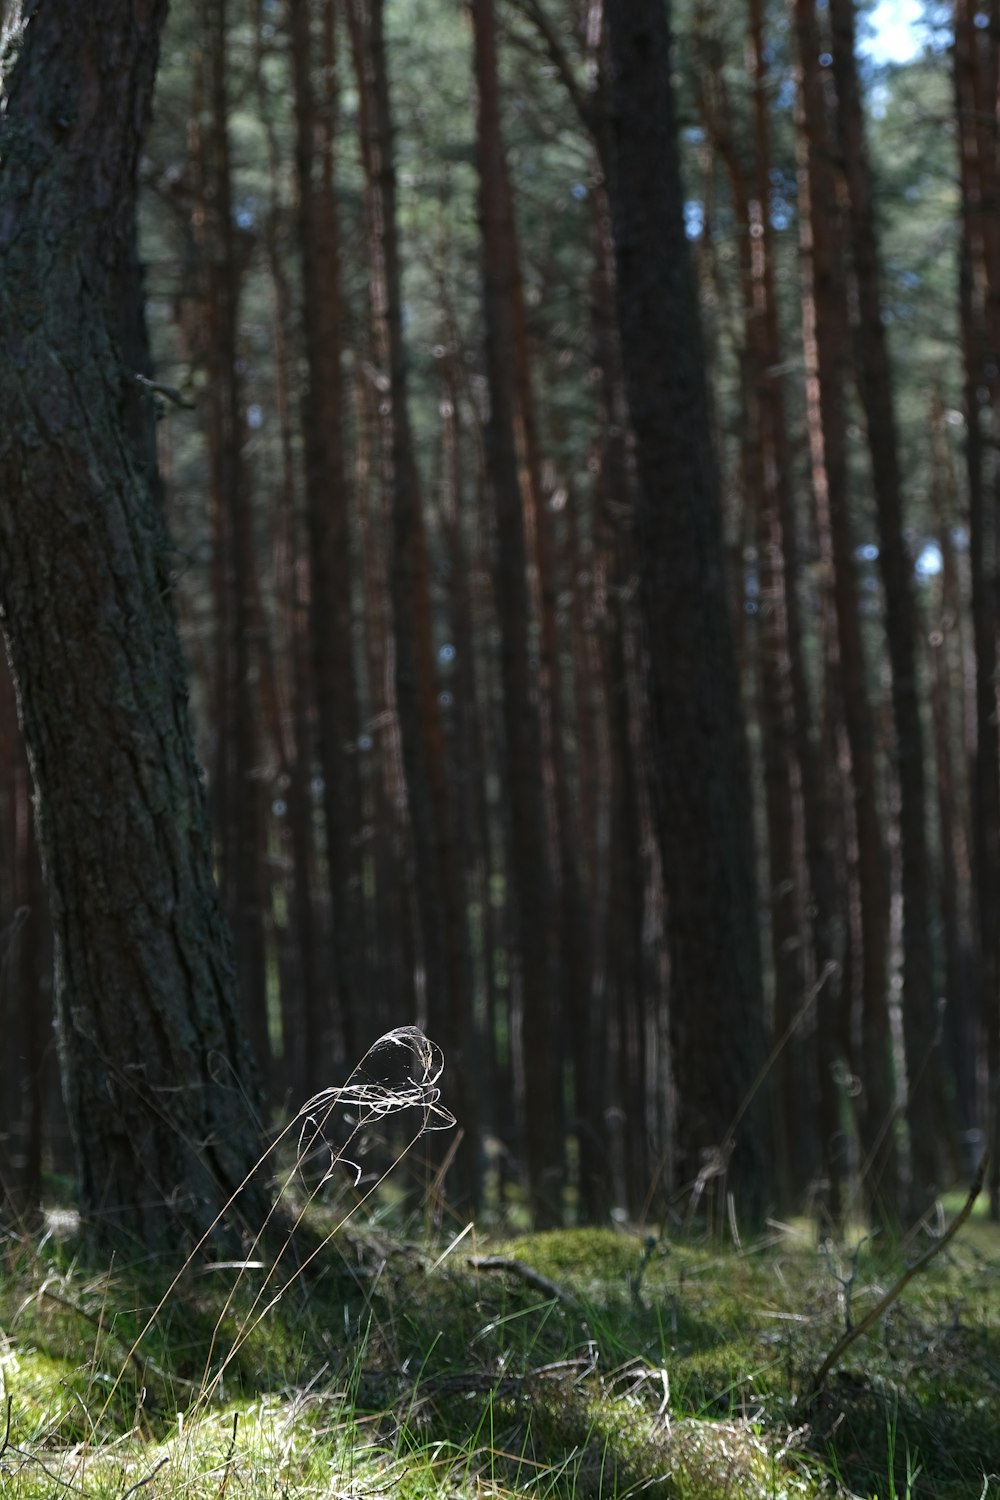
{"points": [[894, 32]]}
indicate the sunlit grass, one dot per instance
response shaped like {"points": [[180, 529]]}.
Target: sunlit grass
{"points": [[345, 1357], [387, 1369]]}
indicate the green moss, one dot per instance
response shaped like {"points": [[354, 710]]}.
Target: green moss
{"points": [[386, 1365]]}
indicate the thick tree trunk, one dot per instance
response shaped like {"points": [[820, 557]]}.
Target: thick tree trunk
{"points": [[700, 774], [155, 1068], [25, 996]]}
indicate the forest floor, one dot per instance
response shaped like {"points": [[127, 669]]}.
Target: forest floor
{"points": [[582, 1363]]}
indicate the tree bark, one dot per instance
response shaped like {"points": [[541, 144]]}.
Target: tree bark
{"points": [[439, 877], [528, 863], [700, 772], [926, 1111], [977, 58], [239, 813], [825, 335], [762, 486], [956, 879], [327, 504], [155, 1070]]}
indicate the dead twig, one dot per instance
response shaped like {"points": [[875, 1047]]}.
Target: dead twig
{"points": [[229, 1458], [524, 1273], [882, 1306], [6, 1435], [168, 392], [140, 1482]]}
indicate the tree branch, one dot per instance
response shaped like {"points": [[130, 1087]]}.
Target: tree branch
{"points": [[156, 388], [584, 106], [527, 1274]]}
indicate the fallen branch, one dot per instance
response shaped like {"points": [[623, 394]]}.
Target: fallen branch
{"points": [[524, 1273], [882, 1306]]}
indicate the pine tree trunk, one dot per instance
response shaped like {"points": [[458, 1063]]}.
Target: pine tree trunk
{"points": [[438, 875], [239, 820], [700, 772], [761, 484], [949, 677], [926, 1111], [976, 72], [528, 863], [825, 324], [327, 508], [155, 1070]]}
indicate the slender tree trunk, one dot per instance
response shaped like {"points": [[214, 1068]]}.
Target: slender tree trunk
{"points": [[241, 823], [155, 1070], [327, 504], [775, 706], [440, 894], [700, 774], [825, 325], [977, 54], [528, 859], [468, 758], [957, 884], [925, 1107], [387, 835], [306, 1068], [813, 770], [570, 938]]}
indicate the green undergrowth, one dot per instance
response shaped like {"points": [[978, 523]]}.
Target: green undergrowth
{"points": [[583, 1363]]}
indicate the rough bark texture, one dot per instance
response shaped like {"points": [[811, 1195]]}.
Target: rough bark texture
{"points": [[700, 774], [26, 1063], [154, 1066]]}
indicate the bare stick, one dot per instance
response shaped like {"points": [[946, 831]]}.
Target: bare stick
{"points": [[527, 1274], [229, 1459], [882, 1306], [140, 1482], [169, 392]]}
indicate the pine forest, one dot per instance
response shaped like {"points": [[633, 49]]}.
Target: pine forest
{"points": [[508, 494]]}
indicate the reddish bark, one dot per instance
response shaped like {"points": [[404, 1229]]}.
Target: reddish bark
{"points": [[827, 352]]}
